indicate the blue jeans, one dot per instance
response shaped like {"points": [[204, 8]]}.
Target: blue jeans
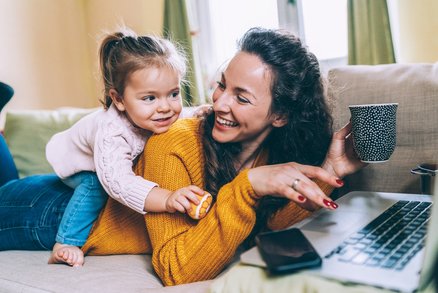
{"points": [[30, 212], [8, 170], [83, 209]]}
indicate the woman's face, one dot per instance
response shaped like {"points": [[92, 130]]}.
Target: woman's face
{"points": [[242, 101]]}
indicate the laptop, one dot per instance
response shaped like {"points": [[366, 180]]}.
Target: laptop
{"points": [[373, 238]]}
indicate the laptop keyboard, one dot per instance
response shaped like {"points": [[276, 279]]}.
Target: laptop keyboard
{"points": [[391, 240]]}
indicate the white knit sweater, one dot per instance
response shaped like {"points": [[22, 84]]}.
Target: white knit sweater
{"points": [[107, 143]]}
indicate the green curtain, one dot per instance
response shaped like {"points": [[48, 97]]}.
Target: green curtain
{"points": [[369, 33], [176, 27]]}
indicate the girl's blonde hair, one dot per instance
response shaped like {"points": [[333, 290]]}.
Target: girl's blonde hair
{"points": [[122, 53]]}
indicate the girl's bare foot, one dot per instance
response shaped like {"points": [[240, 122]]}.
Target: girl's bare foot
{"points": [[67, 254]]}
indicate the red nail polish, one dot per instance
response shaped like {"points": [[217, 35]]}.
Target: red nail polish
{"points": [[334, 205], [340, 182], [326, 202], [301, 198]]}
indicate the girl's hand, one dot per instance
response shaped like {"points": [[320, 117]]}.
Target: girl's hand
{"points": [[294, 181], [341, 159], [180, 200]]}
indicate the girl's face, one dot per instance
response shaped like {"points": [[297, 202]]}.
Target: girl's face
{"points": [[242, 101], [151, 99]]}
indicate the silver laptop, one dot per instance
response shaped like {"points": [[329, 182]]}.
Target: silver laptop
{"points": [[373, 238]]}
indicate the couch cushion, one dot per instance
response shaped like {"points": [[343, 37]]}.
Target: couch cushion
{"points": [[415, 88], [27, 132], [28, 271]]}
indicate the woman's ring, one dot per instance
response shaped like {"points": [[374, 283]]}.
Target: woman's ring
{"points": [[294, 184]]}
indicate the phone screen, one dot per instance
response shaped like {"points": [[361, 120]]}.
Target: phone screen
{"points": [[287, 251]]}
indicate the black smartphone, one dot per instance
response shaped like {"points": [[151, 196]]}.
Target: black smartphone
{"points": [[287, 251]]}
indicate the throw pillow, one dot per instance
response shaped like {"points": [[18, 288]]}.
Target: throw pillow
{"points": [[28, 131]]}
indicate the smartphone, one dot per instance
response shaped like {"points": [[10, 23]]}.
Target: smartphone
{"points": [[287, 251]]}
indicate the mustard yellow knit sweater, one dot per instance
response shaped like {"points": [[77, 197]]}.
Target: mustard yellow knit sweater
{"points": [[184, 250]]}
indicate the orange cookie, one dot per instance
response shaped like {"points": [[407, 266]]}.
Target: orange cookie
{"points": [[199, 211]]}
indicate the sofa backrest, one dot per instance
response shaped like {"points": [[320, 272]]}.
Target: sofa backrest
{"points": [[28, 131], [415, 88]]}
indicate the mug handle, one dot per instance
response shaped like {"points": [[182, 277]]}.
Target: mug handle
{"points": [[420, 171], [431, 168]]}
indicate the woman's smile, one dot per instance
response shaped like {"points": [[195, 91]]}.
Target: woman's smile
{"points": [[225, 122]]}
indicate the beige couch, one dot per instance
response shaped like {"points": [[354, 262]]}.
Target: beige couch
{"points": [[414, 87]]}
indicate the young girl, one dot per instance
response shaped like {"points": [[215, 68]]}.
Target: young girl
{"points": [[142, 76]]}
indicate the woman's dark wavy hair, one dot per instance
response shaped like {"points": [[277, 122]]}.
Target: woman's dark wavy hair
{"points": [[297, 94]]}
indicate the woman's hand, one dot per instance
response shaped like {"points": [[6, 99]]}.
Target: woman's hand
{"points": [[294, 181], [341, 159]]}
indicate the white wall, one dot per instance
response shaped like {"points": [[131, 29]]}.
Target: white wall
{"points": [[48, 48], [39, 41], [417, 30], [143, 16]]}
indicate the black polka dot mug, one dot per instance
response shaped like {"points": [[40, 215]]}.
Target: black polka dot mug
{"points": [[374, 131]]}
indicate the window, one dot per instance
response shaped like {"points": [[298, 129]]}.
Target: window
{"points": [[325, 27], [218, 24], [321, 25], [228, 25]]}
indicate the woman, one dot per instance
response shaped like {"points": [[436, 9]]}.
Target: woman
{"points": [[268, 109], [9, 171]]}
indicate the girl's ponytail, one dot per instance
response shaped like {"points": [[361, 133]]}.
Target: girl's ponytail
{"points": [[105, 54], [123, 52]]}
